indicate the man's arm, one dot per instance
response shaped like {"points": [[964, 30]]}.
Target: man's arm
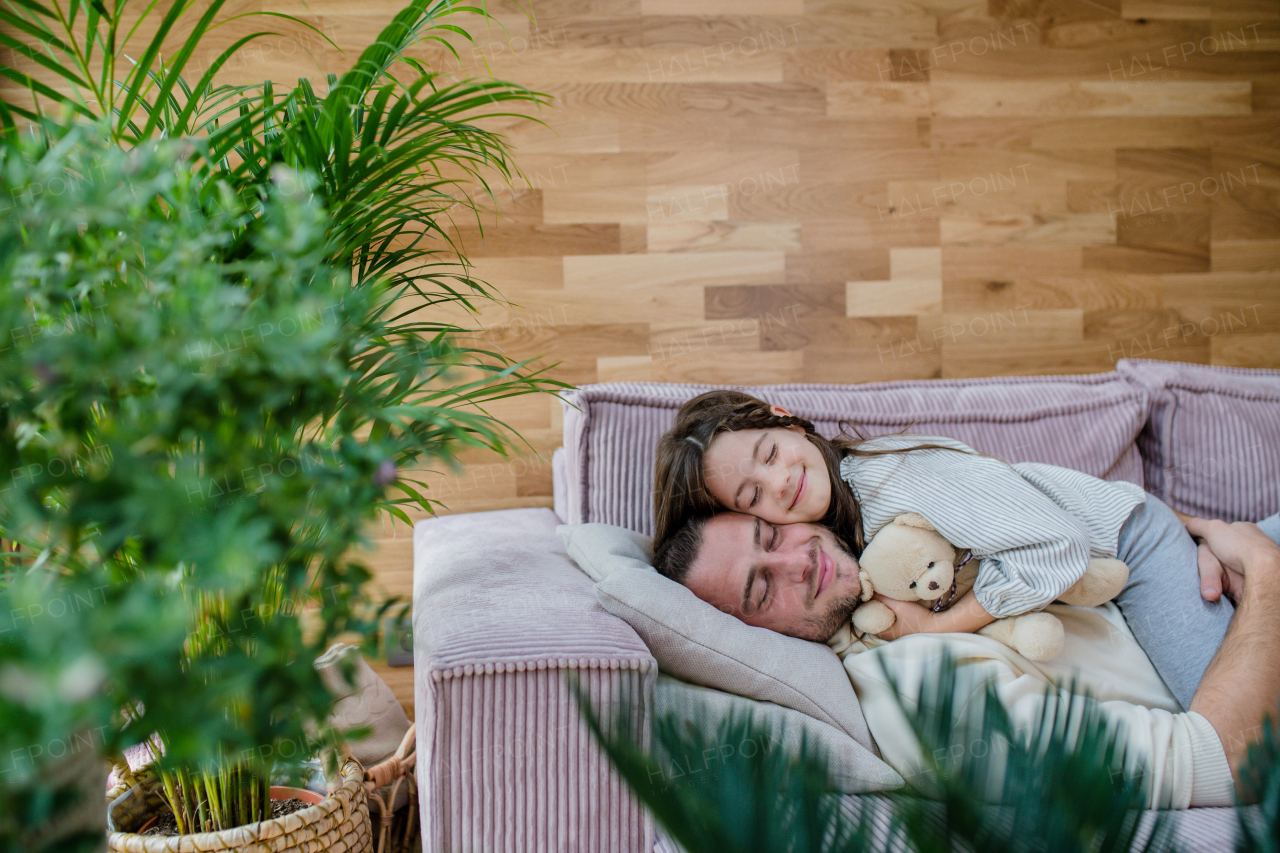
{"points": [[1243, 680]]}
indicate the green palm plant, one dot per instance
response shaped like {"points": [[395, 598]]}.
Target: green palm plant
{"points": [[1063, 783], [1259, 829], [398, 150]]}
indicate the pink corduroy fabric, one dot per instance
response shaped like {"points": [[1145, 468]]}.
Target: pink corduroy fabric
{"points": [[1211, 446], [505, 762], [1088, 423]]}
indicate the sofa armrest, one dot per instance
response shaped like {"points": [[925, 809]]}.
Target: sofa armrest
{"points": [[502, 620]]}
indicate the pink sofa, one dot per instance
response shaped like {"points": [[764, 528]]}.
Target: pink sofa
{"points": [[502, 615]]}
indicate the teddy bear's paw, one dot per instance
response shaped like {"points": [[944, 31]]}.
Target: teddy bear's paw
{"points": [[1101, 582], [1038, 636], [873, 617]]}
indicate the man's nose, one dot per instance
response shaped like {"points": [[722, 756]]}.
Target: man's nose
{"points": [[794, 563]]}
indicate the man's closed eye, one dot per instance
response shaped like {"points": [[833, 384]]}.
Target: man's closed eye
{"points": [[773, 537], [764, 595]]}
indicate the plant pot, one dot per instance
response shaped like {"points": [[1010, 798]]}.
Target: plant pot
{"points": [[338, 823], [284, 792]]}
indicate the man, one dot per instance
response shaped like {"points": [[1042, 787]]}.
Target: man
{"points": [[799, 580]]}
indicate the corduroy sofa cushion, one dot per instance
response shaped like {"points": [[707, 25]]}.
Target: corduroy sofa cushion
{"points": [[1211, 446], [506, 632], [1088, 423]]}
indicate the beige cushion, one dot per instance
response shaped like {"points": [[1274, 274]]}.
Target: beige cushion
{"points": [[366, 703], [600, 549], [797, 685], [692, 640], [852, 769]]}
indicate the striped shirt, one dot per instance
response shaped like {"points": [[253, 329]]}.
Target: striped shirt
{"points": [[1033, 526]]}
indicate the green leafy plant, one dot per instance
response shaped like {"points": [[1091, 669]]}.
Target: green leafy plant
{"points": [[192, 442], [226, 349], [231, 796], [398, 152]]}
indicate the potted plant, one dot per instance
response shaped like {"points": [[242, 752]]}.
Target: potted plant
{"points": [[210, 385]]}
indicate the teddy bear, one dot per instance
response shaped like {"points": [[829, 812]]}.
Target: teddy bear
{"points": [[909, 560]]}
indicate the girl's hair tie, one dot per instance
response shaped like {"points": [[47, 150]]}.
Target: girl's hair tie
{"points": [[694, 441]]}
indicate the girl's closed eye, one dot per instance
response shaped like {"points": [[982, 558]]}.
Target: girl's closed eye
{"points": [[768, 460]]}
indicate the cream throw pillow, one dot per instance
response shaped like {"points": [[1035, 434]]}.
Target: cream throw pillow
{"points": [[694, 641]]}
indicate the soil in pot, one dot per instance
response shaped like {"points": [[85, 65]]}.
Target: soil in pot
{"points": [[166, 825]]}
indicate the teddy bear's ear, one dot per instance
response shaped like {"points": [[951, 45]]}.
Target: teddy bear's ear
{"points": [[914, 519]]}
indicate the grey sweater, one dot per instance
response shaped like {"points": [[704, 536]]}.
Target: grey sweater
{"points": [[1033, 526]]}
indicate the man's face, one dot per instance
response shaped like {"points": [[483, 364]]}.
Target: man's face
{"points": [[796, 579]]}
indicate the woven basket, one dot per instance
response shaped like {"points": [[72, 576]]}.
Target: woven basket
{"points": [[338, 824], [396, 829]]}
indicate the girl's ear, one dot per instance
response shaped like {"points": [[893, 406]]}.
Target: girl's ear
{"points": [[779, 412]]}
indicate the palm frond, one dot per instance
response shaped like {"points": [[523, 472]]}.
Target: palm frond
{"points": [[1061, 783], [1065, 779], [1259, 793]]}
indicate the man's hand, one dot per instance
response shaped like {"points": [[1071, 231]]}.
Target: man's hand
{"points": [[1243, 679], [1232, 546], [1215, 578]]}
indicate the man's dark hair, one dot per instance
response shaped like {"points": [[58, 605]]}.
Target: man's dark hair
{"points": [[673, 557]]}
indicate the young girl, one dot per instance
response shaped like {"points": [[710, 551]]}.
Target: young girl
{"points": [[1033, 526]]}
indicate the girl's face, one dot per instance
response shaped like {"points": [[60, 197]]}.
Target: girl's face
{"points": [[774, 474]]}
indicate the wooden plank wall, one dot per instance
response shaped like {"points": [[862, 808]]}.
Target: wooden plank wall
{"points": [[759, 191]]}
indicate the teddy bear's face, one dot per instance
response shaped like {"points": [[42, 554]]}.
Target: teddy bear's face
{"points": [[909, 564], [931, 583]]}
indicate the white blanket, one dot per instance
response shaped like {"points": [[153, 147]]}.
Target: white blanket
{"points": [[1179, 752]]}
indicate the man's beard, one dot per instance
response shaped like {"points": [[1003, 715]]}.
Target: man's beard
{"points": [[821, 627]]}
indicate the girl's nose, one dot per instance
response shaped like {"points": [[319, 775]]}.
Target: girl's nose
{"points": [[781, 480]]}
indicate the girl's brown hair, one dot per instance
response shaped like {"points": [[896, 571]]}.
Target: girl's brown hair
{"points": [[680, 490]]}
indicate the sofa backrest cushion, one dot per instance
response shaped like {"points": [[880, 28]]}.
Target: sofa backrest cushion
{"points": [[1211, 446], [1086, 422]]}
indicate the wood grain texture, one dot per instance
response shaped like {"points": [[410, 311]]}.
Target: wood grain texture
{"points": [[753, 191], [834, 191]]}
